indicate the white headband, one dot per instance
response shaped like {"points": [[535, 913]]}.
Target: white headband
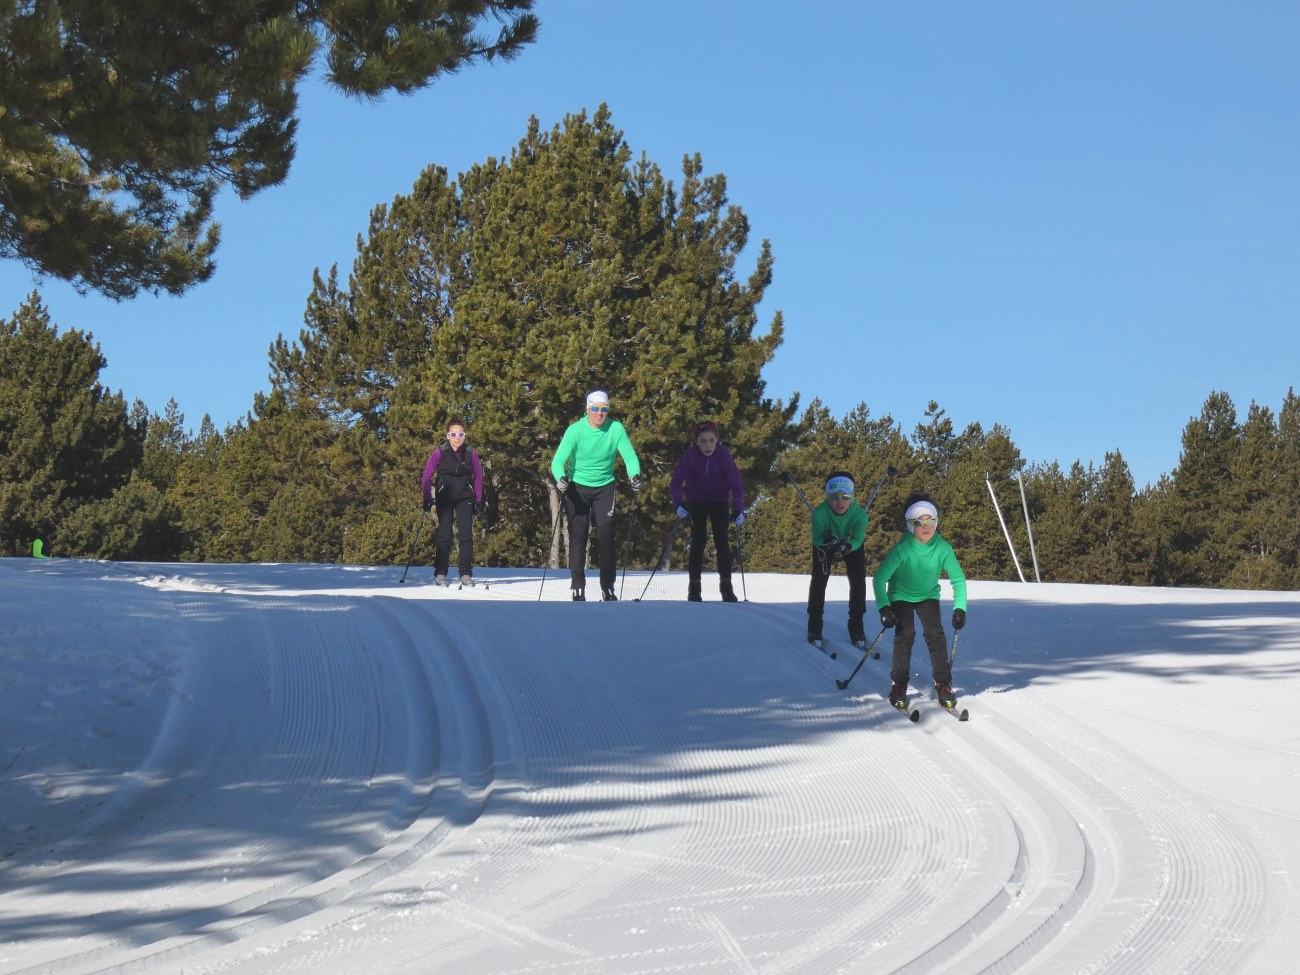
{"points": [[597, 396], [921, 508], [839, 485]]}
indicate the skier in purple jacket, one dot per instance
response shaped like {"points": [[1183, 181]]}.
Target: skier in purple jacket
{"points": [[706, 488], [453, 481]]}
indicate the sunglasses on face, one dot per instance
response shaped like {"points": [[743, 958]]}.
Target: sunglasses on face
{"points": [[840, 496], [598, 409], [455, 436], [925, 521]]}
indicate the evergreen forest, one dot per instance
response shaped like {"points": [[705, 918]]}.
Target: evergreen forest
{"points": [[502, 295]]}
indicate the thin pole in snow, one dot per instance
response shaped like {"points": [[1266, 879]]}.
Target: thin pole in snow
{"points": [[1024, 503], [1002, 522]]}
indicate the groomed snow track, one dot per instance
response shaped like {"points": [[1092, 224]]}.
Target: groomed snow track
{"points": [[417, 781]]}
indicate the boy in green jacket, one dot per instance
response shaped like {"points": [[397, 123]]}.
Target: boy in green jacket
{"points": [[907, 586], [838, 527], [583, 468]]}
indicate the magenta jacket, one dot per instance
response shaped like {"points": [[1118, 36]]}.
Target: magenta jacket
{"points": [[461, 477], [700, 478]]}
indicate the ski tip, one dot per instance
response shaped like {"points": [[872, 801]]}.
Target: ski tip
{"points": [[832, 653], [841, 684], [876, 655], [964, 715], [915, 715]]}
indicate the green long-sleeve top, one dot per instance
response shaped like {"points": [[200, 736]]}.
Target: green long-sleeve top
{"points": [[586, 453], [850, 526], [911, 571]]}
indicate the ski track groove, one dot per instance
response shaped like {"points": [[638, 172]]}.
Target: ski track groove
{"points": [[1197, 907], [306, 757]]}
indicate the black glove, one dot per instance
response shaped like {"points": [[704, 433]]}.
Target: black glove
{"points": [[428, 504], [562, 485], [958, 618], [841, 549], [636, 484], [477, 508], [887, 618]]}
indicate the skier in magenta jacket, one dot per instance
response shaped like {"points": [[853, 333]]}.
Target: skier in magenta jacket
{"points": [[706, 487], [453, 482]]}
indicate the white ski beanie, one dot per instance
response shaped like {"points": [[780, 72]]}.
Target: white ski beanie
{"points": [[597, 397], [921, 508]]}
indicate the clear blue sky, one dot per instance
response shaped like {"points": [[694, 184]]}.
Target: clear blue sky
{"points": [[1076, 220]]}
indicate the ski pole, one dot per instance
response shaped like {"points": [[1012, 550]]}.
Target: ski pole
{"points": [[787, 478], [546, 563], [740, 551], [415, 537], [952, 654], [890, 471], [663, 557], [627, 545], [841, 684]]}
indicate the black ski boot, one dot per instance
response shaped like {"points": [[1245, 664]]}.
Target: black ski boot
{"points": [[579, 595], [728, 594], [945, 695], [898, 695], [693, 590], [814, 633], [607, 595]]}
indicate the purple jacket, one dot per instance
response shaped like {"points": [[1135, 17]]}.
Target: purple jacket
{"points": [[700, 478], [461, 477]]}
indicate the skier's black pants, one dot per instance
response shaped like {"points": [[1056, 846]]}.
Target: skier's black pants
{"points": [[464, 515], [717, 515], [935, 639], [855, 567], [581, 503]]}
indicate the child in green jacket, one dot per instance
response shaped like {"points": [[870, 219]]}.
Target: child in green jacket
{"points": [[907, 587], [838, 526]]}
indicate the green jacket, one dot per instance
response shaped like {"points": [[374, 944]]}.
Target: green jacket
{"points": [[586, 453], [850, 526], [911, 571]]}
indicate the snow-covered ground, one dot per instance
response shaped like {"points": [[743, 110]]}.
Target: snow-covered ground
{"points": [[295, 768]]}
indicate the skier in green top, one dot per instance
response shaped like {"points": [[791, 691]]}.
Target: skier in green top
{"points": [[838, 527], [907, 586], [583, 468]]}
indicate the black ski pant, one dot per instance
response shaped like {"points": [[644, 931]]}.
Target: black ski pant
{"points": [[855, 567], [582, 503], [706, 515], [464, 516], [927, 610]]}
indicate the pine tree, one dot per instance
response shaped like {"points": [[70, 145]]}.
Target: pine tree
{"points": [[1119, 552], [65, 441], [1200, 497], [1248, 526], [1286, 494], [586, 270], [1059, 507], [122, 121]]}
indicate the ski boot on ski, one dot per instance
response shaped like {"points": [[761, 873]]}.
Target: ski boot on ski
{"points": [[898, 700], [948, 701]]}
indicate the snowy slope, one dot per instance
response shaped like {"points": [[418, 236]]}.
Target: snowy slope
{"points": [[277, 768]]}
